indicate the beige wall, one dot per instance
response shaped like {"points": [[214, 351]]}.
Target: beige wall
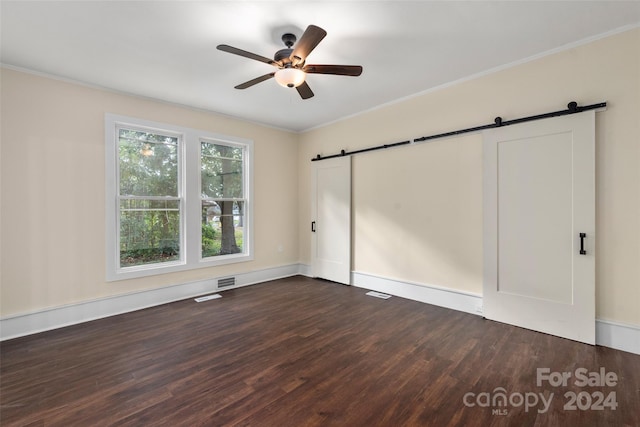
{"points": [[417, 210], [53, 184]]}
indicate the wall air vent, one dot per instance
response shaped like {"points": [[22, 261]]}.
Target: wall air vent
{"points": [[227, 281]]}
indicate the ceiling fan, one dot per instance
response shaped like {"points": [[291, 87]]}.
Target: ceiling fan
{"points": [[290, 62]]}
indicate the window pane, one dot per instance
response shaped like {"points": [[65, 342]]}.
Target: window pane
{"points": [[221, 174], [148, 164], [222, 227], [149, 231]]}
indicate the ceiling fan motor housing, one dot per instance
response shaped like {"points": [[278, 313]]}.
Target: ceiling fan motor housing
{"points": [[283, 55]]}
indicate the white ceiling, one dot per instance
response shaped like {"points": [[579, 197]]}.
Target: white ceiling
{"points": [[167, 49]]}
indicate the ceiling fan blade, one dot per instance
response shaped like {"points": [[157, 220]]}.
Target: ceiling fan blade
{"points": [[304, 90], [255, 81], [240, 52], [340, 70], [309, 40]]}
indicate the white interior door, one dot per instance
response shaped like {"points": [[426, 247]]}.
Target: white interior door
{"points": [[539, 198], [331, 226]]}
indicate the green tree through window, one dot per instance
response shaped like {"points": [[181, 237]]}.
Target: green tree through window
{"points": [[222, 184], [149, 198]]}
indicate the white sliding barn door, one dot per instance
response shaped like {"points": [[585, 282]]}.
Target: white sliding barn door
{"points": [[539, 198], [331, 226]]}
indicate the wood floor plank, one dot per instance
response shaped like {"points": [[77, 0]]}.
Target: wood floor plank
{"points": [[301, 352]]}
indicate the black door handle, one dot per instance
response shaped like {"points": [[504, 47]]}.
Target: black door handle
{"points": [[582, 237], [313, 226]]}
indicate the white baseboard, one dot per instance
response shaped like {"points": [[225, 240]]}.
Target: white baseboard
{"points": [[443, 297], [305, 270], [618, 335], [58, 317], [608, 333]]}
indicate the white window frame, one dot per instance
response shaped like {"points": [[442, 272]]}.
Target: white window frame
{"points": [[189, 180]]}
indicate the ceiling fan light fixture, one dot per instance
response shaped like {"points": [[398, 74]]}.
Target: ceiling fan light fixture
{"points": [[290, 77]]}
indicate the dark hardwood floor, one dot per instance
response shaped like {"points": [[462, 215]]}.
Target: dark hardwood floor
{"points": [[303, 352]]}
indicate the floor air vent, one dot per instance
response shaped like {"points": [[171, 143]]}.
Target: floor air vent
{"points": [[378, 295], [227, 281]]}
